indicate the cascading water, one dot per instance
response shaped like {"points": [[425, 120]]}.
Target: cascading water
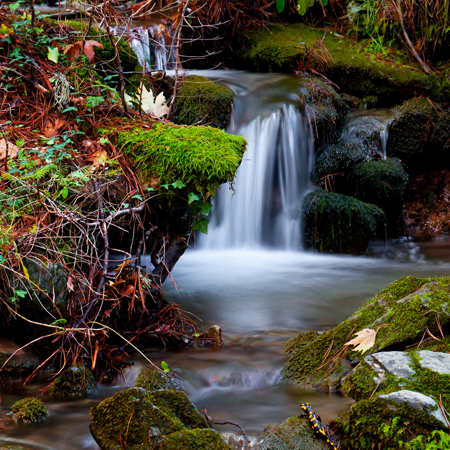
{"points": [[264, 205]]}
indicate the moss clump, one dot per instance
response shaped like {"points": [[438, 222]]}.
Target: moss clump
{"points": [[77, 381], [29, 410], [420, 135], [402, 312], [350, 66], [133, 415], [336, 164], [200, 101], [326, 109], [202, 158], [194, 440], [339, 224], [152, 379]]}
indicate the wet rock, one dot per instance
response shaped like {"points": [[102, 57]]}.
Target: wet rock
{"points": [[215, 334], [194, 440], [134, 415], [396, 363], [21, 361], [357, 223], [200, 101], [294, 432], [417, 401], [29, 410], [435, 361], [152, 379], [77, 381]]}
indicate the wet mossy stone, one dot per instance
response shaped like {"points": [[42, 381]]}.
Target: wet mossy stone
{"points": [[285, 47], [200, 439], [76, 381], [29, 410], [401, 313], [152, 379], [420, 135], [335, 165], [326, 109], [294, 432], [336, 223], [202, 158], [200, 101], [131, 416]]}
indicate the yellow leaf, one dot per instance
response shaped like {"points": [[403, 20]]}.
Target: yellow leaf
{"points": [[365, 339]]}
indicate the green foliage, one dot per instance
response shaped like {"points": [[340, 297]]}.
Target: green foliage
{"points": [[200, 101], [29, 410], [439, 440], [301, 5], [202, 158], [339, 224]]}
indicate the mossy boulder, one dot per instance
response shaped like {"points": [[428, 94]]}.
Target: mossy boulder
{"points": [[200, 101], [336, 223], [152, 379], [194, 440], [29, 410], [420, 135], [349, 65], [335, 165], [131, 416], [401, 313], [294, 432], [202, 158], [77, 381]]}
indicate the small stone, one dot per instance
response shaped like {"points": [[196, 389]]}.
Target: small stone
{"points": [[215, 333], [417, 401], [29, 410], [435, 361]]}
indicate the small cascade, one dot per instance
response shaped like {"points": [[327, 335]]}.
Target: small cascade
{"points": [[264, 205], [151, 45], [371, 126]]}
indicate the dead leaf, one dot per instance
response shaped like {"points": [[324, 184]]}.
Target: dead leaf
{"points": [[51, 130], [128, 291], [70, 286], [12, 149], [98, 158], [72, 51], [155, 107], [365, 339]]}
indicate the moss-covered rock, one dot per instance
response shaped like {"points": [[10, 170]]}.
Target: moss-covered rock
{"points": [[202, 158], [325, 108], [420, 135], [77, 381], [152, 379], [29, 410], [200, 101], [334, 167], [133, 415], [401, 313], [336, 223], [294, 432], [288, 48], [194, 440]]}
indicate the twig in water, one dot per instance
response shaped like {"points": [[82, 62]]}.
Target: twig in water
{"points": [[211, 420]]}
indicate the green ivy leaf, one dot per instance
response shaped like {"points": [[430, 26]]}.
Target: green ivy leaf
{"points": [[280, 5], [138, 197], [201, 225], [53, 54], [204, 208], [165, 186], [193, 197], [165, 366], [104, 140], [178, 184], [19, 293], [65, 192]]}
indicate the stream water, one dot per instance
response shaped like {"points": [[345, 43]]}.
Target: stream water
{"points": [[250, 276]]}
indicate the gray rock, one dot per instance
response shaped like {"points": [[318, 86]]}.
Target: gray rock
{"points": [[417, 401], [21, 361], [396, 363], [435, 361]]}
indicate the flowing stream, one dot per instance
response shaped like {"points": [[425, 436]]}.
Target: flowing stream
{"points": [[250, 276]]}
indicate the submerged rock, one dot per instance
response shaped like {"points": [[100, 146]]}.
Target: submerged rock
{"points": [[335, 223], [77, 381], [294, 432], [29, 410], [200, 101]]}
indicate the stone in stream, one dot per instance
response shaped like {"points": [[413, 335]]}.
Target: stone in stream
{"points": [[29, 410], [76, 381], [22, 361]]}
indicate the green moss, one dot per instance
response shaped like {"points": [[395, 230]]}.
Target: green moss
{"points": [[77, 381], [152, 379], [402, 312], [339, 224], [200, 101], [194, 440], [349, 65], [29, 410], [200, 157]]}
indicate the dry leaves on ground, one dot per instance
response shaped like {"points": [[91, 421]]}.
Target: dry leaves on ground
{"points": [[8, 148], [72, 51]]}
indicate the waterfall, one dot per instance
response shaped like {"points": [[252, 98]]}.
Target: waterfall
{"points": [[263, 207]]}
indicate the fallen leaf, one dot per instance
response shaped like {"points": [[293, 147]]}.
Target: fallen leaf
{"points": [[70, 286], [51, 130], [128, 290], [365, 339], [72, 51], [12, 149], [154, 107], [98, 158], [53, 54]]}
